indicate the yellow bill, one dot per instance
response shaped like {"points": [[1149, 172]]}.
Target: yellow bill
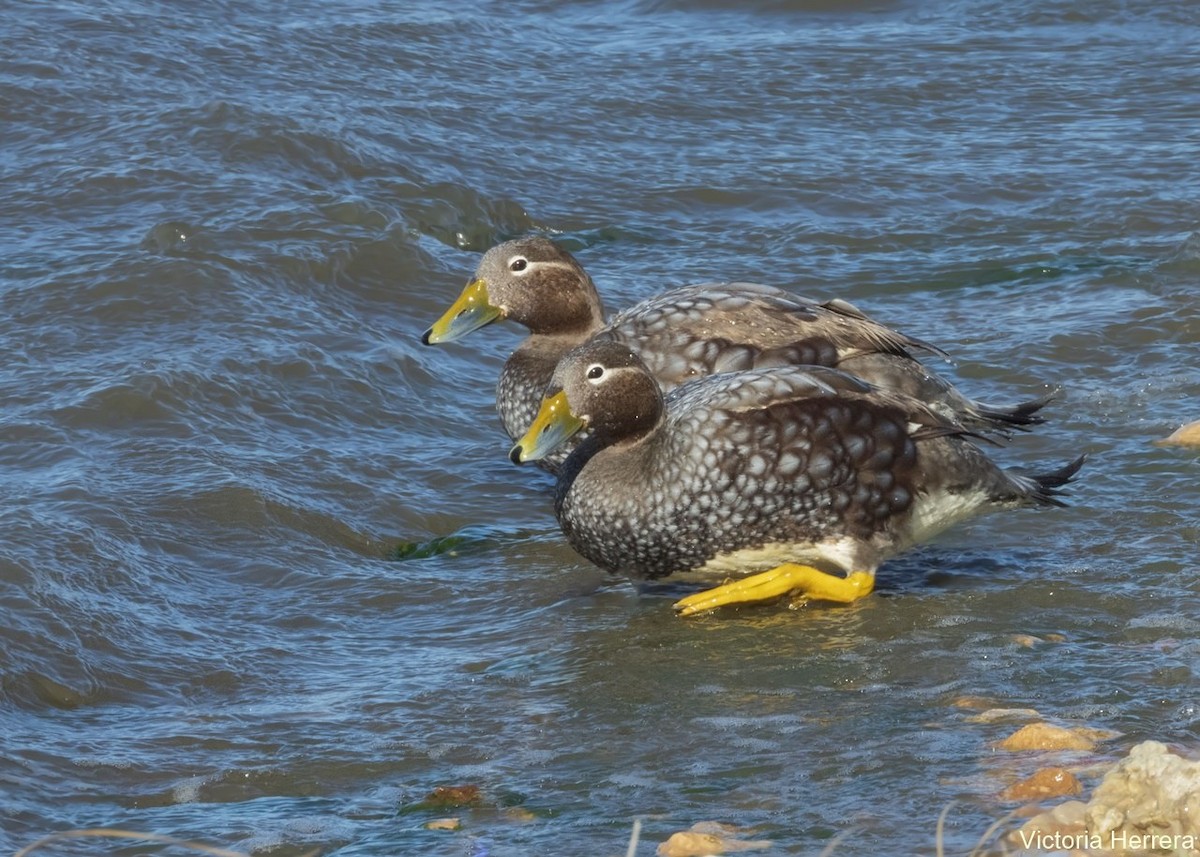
{"points": [[470, 312], [553, 424]]}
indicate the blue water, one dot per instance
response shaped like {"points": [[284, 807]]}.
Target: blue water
{"points": [[267, 576]]}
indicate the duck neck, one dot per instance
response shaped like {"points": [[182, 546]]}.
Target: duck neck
{"points": [[531, 365], [627, 459]]}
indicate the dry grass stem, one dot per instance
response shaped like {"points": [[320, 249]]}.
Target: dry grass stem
{"points": [[633, 837]]}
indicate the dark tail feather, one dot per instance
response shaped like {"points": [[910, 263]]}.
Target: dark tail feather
{"points": [[1046, 487], [1021, 416], [894, 339], [927, 347]]}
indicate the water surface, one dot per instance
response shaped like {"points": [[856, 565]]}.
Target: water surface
{"points": [[268, 578]]}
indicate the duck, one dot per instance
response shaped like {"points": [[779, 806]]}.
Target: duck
{"points": [[794, 481], [689, 332]]}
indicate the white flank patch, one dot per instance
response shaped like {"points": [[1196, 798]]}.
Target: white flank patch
{"points": [[933, 513], [834, 554]]}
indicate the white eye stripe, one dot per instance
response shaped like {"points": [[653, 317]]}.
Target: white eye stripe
{"points": [[522, 265]]}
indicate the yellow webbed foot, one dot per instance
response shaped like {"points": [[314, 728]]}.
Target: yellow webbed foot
{"points": [[802, 582], [843, 590]]}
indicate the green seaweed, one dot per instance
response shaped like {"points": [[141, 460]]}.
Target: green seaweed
{"points": [[473, 539]]}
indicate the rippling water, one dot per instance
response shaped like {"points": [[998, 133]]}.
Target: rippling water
{"points": [[267, 577]]}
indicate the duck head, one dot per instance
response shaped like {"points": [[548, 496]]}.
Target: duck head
{"points": [[602, 386], [531, 281]]}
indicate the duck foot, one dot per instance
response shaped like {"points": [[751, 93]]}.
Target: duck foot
{"points": [[802, 582]]}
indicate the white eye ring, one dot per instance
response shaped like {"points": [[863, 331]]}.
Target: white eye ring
{"points": [[518, 264], [595, 373]]}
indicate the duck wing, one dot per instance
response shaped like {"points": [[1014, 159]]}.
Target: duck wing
{"points": [[721, 327]]}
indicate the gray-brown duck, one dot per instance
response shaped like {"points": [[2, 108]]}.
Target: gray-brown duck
{"points": [[687, 333], [805, 478]]}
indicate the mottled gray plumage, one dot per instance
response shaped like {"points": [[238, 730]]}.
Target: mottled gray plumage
{"points": [[797, 464], [698, 330]]}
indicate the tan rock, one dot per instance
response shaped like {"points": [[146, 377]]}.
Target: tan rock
{"points": [[1148, 803], [1065, 820], [443, 824], [707, 838], [1187, 435], [997, 715], [1097, 735], [1046, 736], [1151, 790], [688, 844], [1046, 783]]}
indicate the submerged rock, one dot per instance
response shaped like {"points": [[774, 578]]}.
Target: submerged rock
{"points": [[1046, 736], [1000, 715], [707, 838], [1046, 783], [1188, 435], [1029, 640]]}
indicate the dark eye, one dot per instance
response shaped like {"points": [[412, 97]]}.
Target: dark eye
{"points": [[518, 264], [595, 372]]}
